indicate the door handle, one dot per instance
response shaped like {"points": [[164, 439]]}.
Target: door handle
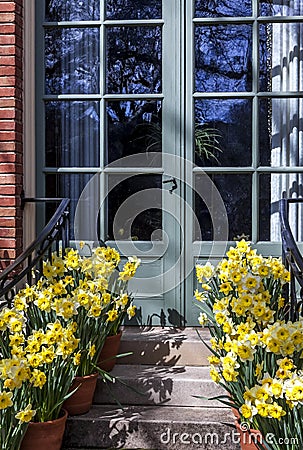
{"points": [[174, 184]]}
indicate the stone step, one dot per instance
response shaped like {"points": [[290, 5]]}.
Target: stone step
{"points": [[164, 346], [165, 385], [153, 428]]}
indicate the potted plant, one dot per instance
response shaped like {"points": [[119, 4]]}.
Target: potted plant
{"points": [[37, 369], [86, 294], [255, 351]]}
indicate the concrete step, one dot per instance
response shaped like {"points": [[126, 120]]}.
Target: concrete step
{"points": [[153, 428], [164, 346], [165, 385]]}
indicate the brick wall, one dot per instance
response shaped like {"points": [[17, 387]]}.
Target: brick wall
{"points": [[11, 130]]}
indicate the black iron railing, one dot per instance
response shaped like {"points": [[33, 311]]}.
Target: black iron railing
{"points": [[28, 267], [293, 261]]}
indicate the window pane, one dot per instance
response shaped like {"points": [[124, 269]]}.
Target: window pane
{"points": [[134, 60], [133, 9], [235, 191], [281, 8], [134, 127], [72, 61], [281, 139], [60, 10], [71, 186], [141, 215], [281, 48], [273, 187], [72, 134], [230, 121], [223, 58], [219, 8]]}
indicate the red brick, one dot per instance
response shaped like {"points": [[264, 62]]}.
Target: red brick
{"points": [[7, 232], [8, 49], [6, 157], [7, 168], [7, 39], [7, 125], [7, 28], [8, 136], [7, 60], [7, 91], [7, 17], [6, 178], [7, 81], [8, 113], [7, 103], [7, 146], [4, 254], [8, 201], [9, 243], [7, 6], [8, 190], [9, 222], [8, 71], [10, 125]]}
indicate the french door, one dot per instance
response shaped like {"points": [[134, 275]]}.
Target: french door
{"points": [[174, 127]]}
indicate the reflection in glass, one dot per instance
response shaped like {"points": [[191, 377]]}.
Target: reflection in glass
{"points": [[71, 186], [265, 137], [235, 191], [231, 119], [265, 209], [222, 8], [140, 218], [265, 69], [281, 130], [281, 8], [223, 56], [71, 10], [133, 9], [72, 134], [134, 60], [72, 61], [133, 127]]}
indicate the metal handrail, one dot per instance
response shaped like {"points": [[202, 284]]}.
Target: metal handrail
{"points": [[55, 235], [293, 261]]}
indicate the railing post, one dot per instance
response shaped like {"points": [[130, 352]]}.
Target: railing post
{"points": [[32, 258]]}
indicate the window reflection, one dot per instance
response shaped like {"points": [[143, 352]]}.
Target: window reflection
{"points": [[134, 127], [72, 134], [61, 10], [223, 58], [133, 9], [71, 186], [134, 60], [72, 61], [221, 8], [236, 193], [230, 120], [132, 220]]}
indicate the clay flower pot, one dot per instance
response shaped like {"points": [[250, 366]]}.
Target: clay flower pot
{"points": [[81, 400], [248, 437], [48, 435], [110, 349]]}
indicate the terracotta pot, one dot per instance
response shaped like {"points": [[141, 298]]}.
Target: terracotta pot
{"points": [[110, 349], [46, 435], [248, 437], [81, 401]]}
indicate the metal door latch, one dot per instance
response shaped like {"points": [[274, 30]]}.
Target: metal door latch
{"points": [[174, 184]]}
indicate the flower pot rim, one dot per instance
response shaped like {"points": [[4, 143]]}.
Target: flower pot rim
{"points": [[64, 416], [91, 375]]}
